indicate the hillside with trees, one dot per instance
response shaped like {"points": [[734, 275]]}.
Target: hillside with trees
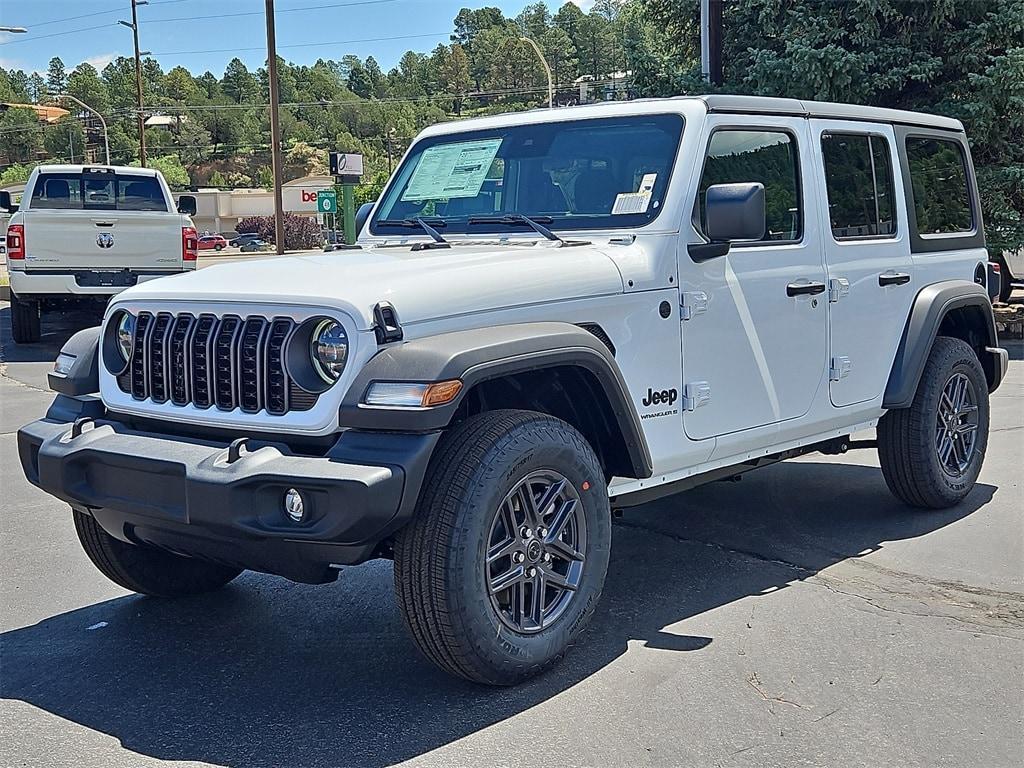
{"points": [[963, 58]]}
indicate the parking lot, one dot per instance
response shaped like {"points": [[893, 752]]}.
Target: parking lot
{"points": [[799, 617]]}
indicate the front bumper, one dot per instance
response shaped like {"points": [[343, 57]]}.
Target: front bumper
{"points": [[188, 497]]}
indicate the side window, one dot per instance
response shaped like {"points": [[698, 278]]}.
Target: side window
{"points": [[859, 183], [769, 157], [938, 175]]}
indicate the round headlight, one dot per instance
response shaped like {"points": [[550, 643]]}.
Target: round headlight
{"points": [[330, 350], [126, 334]]}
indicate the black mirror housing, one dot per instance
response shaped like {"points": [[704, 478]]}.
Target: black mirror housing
{"points": [[6, 203], [735, 212], [361, 216], [187, 205]]}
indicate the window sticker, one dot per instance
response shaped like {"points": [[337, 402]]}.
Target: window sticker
{"points": [[452, 170], [636, 202]]}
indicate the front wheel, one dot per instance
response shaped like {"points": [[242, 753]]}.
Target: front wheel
{"points": [[502, 566], [147, 570], [931, 453]]}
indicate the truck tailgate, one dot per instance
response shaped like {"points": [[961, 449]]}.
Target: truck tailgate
{"points": [[102, 240]]}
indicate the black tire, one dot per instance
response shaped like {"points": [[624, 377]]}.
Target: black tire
{"points": [[25, 321], [910, 439], [441, 578], [147, 570], [218, 248], [1005, 288]]}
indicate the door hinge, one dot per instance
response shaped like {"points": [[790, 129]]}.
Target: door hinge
{"points": [[838, 287], [696, 394], [692, 303], [840, 368]]}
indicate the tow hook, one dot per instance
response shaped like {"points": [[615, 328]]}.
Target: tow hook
{"points": [[80, 424], [235, 449]]}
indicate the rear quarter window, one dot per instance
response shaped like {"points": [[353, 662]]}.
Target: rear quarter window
{"points": [[938, 177]]}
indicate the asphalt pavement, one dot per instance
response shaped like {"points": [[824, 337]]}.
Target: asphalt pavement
{"points": [[801, 617]]}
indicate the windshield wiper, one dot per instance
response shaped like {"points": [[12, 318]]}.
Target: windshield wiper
{"points": [[536, 224], [421, 223]]}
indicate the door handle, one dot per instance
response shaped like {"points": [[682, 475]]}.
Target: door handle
{"points": [[805, 289], [893, 278]]}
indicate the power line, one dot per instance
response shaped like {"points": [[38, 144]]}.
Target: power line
{"points": [[30, 38], [111, 12], [308, 45]]}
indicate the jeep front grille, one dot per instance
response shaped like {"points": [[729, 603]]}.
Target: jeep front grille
{"points": [[227, 362]]}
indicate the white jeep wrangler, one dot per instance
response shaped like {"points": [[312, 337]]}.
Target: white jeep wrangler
{"points": [[548, 316]]}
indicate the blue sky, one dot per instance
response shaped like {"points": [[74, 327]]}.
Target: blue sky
{"points": [[200, 43]]}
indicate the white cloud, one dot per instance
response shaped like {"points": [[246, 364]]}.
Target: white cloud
{"points": [[585, 5], [101, 60]]}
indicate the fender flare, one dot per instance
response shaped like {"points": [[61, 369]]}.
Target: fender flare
{"points": [[481, 354], [930, 308]]}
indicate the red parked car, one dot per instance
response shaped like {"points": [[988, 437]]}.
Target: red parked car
{"points": [[212, 242]]}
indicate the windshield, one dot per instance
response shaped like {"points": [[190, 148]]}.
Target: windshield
{"points": [[98, 190], [602, 173]]}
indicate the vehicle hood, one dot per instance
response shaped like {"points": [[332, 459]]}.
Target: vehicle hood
{"points": [[422, 285]]}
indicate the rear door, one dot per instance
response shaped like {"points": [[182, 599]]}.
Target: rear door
{"points": [[103, 221], [867, 252]]}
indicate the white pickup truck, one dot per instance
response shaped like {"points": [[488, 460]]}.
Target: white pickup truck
{"points": [[84, 233]]}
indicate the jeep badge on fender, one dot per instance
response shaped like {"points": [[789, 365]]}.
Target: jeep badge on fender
{"points": [[467, 391]]}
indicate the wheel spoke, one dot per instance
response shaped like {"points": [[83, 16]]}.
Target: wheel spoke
{"points": [[562, 517], [500, 583], [565, 551], [946, 404], [967, 429], [503, 549], [548, 499], [536, 607], [556, 579], [529, 506], [945, 447]]}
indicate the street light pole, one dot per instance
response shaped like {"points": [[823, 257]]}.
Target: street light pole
{"points": [[83, 105], [547, 70], [134, 26], [275, 128]]}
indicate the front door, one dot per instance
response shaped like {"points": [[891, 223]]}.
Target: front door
{"points": [[867, 250], [755, 341]]}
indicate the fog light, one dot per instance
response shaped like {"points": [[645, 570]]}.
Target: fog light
{"points": [[294, 506]]}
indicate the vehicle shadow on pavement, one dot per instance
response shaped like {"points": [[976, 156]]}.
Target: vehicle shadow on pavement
{"points": [[57, 328], [269, 673]]}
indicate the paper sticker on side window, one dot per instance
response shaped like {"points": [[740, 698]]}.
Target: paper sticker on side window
{"points": [[636, 202], [452, 170]]}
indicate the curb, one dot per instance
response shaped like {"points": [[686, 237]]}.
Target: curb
{"points": [[5, 293]]}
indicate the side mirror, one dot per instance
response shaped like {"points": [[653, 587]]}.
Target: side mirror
{"points": [[6, 203], [187, 205], [731, 212], [361, 216]]}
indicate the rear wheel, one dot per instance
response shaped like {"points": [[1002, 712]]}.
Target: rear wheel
{"points": [[218, 247], [147, 570], [501, 568], [931, 453], [25, 320]]}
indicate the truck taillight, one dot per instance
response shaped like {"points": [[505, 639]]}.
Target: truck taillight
{"points": [[16, 241], [189, 244]]}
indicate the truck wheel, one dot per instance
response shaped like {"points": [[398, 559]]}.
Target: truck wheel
{"points": [[25, 324], [147, 570], [503, 564], [931, 453], [1005, 289]]}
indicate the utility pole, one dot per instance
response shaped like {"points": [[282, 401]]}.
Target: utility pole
{"points": [[275, 128], [134, 26], [711, 34]]}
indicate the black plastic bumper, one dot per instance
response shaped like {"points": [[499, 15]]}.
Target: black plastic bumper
{"points": [[186, 496]]}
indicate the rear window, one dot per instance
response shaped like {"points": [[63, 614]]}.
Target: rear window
{"points": [[98, 191], [938, 175]]}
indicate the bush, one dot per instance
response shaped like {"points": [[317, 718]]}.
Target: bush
{"points": [[300, 232]]}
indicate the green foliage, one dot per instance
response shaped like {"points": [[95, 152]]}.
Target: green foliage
{"points": [[19, 135], [217, 179], [65, 140], [170, 166], [15, 174], [300, 232]]}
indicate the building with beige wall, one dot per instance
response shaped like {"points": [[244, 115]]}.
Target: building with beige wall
{"points": [[219, 210]]}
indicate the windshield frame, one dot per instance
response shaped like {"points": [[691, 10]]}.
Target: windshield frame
{"points": [[572, 223]]}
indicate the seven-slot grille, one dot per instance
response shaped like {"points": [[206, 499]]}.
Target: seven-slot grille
{"points": [[228, 362]]}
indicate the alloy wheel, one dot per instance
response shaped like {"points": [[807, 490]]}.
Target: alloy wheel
{"points": [[956, 425]]}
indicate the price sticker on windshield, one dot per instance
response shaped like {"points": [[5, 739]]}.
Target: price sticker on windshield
{"points": [[636, 202], [452, 170]]}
